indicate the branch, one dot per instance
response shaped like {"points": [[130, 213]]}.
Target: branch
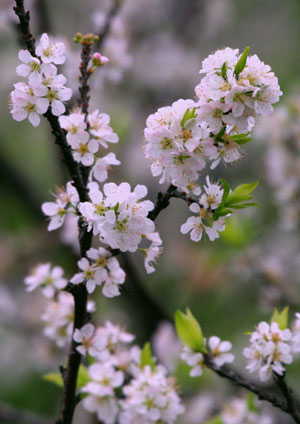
{"points": [[24, 18], [288, 395], [288, 406], [80, 294], [106, 28], [163, 201]]}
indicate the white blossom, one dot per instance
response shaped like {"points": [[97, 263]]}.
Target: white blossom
{"points": [[269, 350], [49, 51], [194, 360], [150, 397], [91, 275], [49, 278], [100, 129], [220, 351], [101, 167]]}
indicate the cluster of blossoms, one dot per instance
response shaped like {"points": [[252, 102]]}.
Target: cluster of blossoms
{"points": [[59, 311], [182, 138], [85, 136], [120, 217], [205, 223], [100, 267], [44, 88], [218, 350], [271, 348], [281, 134], [121, 388]]}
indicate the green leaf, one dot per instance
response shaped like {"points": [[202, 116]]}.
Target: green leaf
{"points": [[246, 188], [281, 318], [226, 188], [189, 331], [224, 71], [215, 420], [222, 212], [252, 407], [244, 205], [189, 114], [220, 134], [55, 378], [241, 62], [235, 198], [83, 376], [242, 141], [146, 356]]}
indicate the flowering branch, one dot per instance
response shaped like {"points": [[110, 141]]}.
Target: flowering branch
{"points": [[286, 403]]}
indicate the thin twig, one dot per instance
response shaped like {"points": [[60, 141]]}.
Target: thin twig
{"points": [[107, 26], [24, 18]]}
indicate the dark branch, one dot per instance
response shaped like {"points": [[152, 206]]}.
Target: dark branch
{"points": [[106, 28], [24, 18], [288, 395]]}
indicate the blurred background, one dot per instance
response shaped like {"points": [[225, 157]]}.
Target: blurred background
{"points": [[156, 48]]}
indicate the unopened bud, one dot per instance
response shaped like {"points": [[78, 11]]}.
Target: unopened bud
{"points": [[99, 60]]}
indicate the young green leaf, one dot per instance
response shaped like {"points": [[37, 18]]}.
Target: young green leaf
{"points": [[220, 134], [146, 356], [224, 71], [189, 331], [189, 114], [83, 376], [241, 62], [281, 318], [55, 378], [246, 188], [226, 188]]}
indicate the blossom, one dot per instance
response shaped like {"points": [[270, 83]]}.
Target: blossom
{"points": [[213, 196], [100, 129], [57, 93], [177, 147], [66, 201], [58, 318], [74, 124], [49, 279], [83, 148], [115, 276], [150, 397], [91, 275], [153, 252], [120, 216], [31, 64], [49, 51], [100, 396], [101, 167], [193, 359], [269, 350], [27, 102], [84, 337], [219, 350], [202, 223]]}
